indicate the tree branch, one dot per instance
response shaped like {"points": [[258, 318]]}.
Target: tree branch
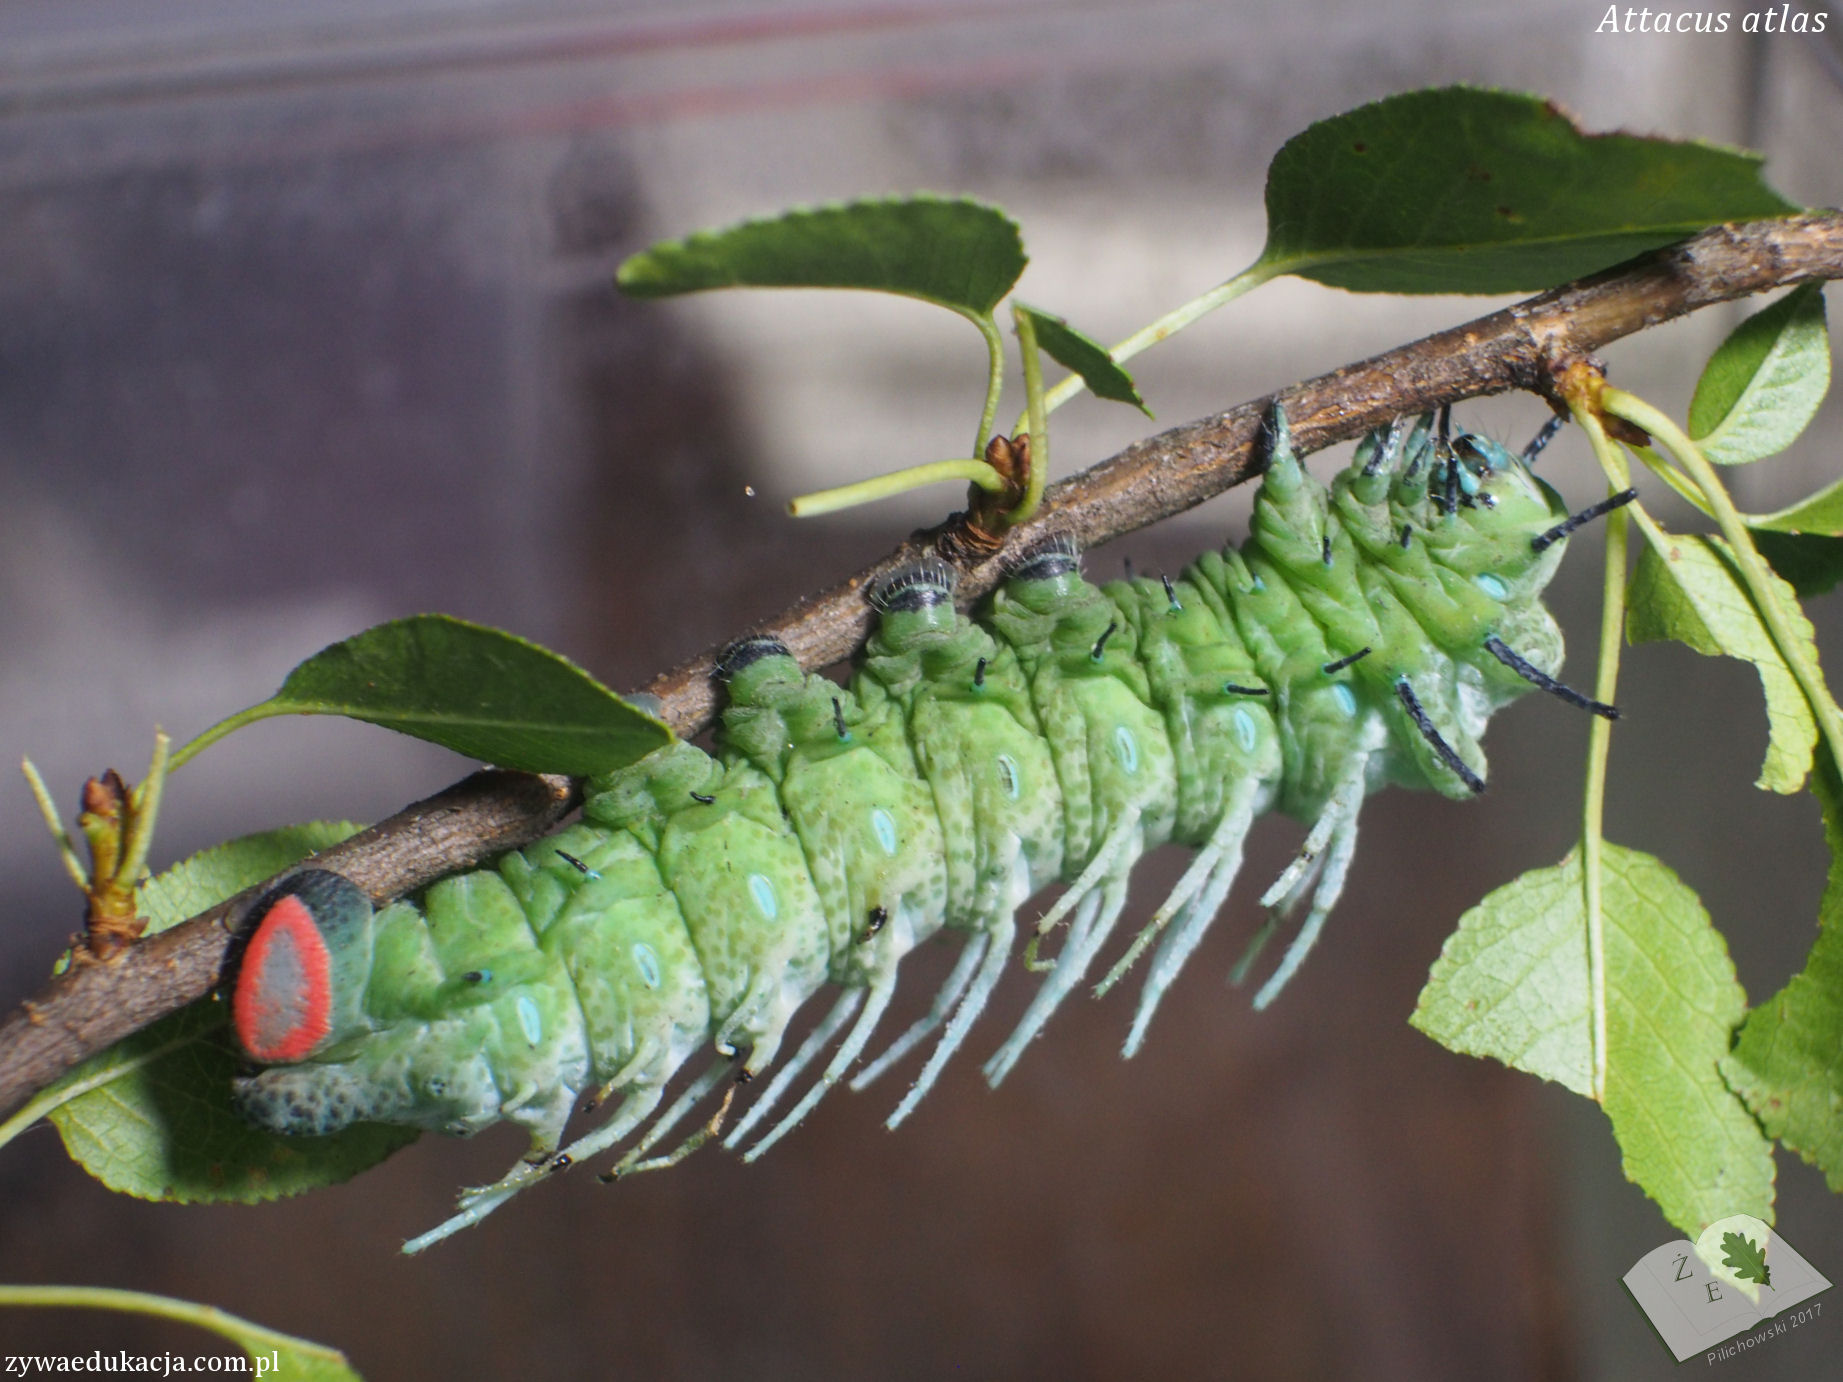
{"points": [[81, 1013]]}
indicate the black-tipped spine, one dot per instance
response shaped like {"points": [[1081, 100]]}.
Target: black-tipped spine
{"points": [[1448, 754], [1536, 677], [1542, 438], [1333, 668], [1586, 515]]}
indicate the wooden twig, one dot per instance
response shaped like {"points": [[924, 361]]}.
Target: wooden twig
{"points": [[88, 1010]]}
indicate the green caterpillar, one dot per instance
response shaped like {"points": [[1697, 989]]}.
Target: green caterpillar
{"points": [[1361, 636]]}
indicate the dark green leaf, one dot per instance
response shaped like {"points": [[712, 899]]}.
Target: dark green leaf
{"points": [[478, 691], [959, 253], [1816, 513], [1788, 1063], [1810, 564], [1460, 190], [1085, 356], [1746, 1258], [1764, 384], [152, 1115], [1688, 590]]}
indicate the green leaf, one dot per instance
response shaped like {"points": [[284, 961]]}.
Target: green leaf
{"points": [[1745, 1258], [1810, 564], [478, 691], [1788, 1063], [1765, 383], [1511, 981], [271, 1353], [208, 877], [1085, 356], [1818, 513], [1688, 589], [1460, 190], [152, 1115], [959, 253], [1512, 984]]}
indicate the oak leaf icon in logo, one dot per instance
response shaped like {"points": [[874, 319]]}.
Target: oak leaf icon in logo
{"points": [[1746, 1258]]}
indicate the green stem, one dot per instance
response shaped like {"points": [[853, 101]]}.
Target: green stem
{"points": [[896, 482], [1036, 417], [263, 711], [1168, 325], [1753, 569], [67, 1089], [144, 804], [1600, 738], [67, 851], [995, 377], [243, 1333]]}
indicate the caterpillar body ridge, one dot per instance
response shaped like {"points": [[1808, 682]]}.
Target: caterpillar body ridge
{"points": [[1362, 635]]}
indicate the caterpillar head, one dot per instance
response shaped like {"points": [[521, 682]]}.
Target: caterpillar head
{"points": [[1498, 531], [301, 983], [1470, 504]]}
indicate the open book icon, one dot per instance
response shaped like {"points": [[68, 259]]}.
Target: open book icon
{"points": [[1736, 1275]]}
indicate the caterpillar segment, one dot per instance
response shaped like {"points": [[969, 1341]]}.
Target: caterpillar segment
{"points": [[1362, 635]]}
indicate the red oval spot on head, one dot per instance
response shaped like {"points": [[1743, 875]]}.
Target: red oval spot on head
{"points": [[282, 1006]]}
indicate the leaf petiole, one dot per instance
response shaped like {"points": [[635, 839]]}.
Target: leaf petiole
{"points": [[67, 851], [1752, 567], [897, 482], [1036, 416], [1172, 322]]}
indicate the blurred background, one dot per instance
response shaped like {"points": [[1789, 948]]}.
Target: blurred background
{"points": [[306, 323]]}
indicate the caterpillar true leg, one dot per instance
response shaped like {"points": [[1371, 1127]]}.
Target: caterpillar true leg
{"points": [[1100, 868], [481, 1201], [1195, 878], [1315, 841], [1048, 997]]}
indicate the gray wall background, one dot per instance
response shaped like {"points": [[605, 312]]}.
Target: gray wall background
{"points": [[305, 323]]}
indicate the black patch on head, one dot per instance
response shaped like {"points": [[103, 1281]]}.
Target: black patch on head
{"points": [[1046, 560], [747, 651], [337, 904]]}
